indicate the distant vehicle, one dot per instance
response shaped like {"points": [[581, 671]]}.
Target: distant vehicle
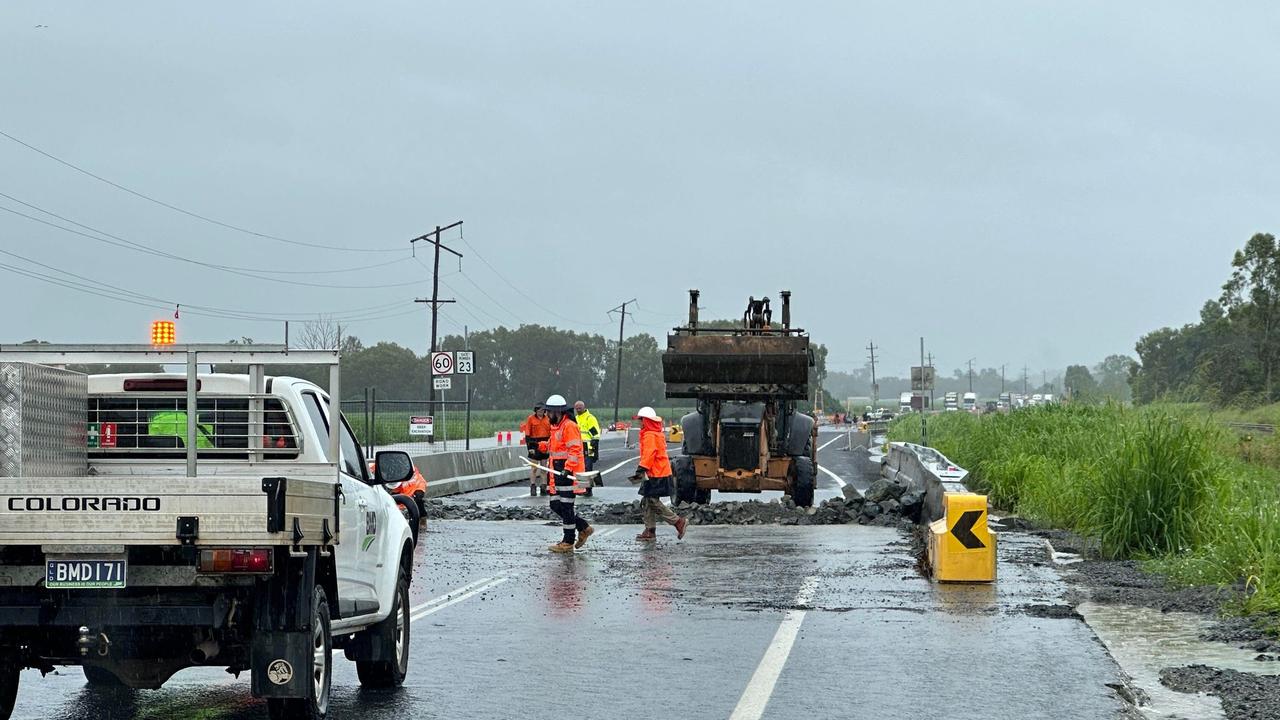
{"points": [[1036, 400], [951, 402], [1048, 399], [904, 402], [1005, 402], [992, 406], [969, 402]]}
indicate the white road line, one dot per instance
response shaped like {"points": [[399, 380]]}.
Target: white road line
{"points": [[839, 480], [754, 699], [465, 596], [607, 533], [452, 593], [824, 445], [615, 467]]}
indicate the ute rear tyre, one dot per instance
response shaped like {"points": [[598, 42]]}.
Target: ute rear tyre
{"points": [[390, 673], [319, 671], [9, 674], [804, 479]]}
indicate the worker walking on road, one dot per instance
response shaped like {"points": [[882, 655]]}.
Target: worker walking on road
{"points": [[536, 429], [655, 475], [565, 450], [589, 426]]}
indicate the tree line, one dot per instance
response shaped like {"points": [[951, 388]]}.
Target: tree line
{"points": [[1230, 356]]}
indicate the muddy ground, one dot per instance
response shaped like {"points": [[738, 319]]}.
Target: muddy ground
{"points": [[1124, 582]]}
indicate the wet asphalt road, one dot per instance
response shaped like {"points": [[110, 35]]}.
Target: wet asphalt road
{"points": [[732, 622]]}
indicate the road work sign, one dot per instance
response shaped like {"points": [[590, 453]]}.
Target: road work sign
{"points": [[961, 547], [422, 425], [442, 383], [441, 363]]}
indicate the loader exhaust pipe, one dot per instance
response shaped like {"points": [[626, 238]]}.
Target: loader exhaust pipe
{"points": [[693, 309], [786, 309]]}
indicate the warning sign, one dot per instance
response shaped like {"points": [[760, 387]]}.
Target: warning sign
{"points": [[422, 425]]}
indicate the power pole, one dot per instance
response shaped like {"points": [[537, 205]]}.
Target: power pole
{"points": [[970, 361], [617, 387], [924, 423], [1024, 383], [1002, 379], [435, 301], [933, 384], [875, 389]]}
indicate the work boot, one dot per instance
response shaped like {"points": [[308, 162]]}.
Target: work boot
{"points": [[649, 535], [582, 536], [533, 491], [681, 524], [561, 547]]}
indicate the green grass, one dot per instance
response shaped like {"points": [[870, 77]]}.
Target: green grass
{"points": [[1165, 484]]}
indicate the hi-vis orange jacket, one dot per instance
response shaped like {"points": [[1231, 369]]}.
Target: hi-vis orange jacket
{"points": [[565, 446], [653, 451]]}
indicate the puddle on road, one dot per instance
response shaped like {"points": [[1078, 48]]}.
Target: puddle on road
{"points": [[1144, 641]]}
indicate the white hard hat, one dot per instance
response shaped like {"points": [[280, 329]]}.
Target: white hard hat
{"points": [[648, 413], [556, 402]]}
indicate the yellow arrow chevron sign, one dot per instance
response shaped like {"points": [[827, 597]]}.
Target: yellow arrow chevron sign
{"points": [[961, 547]]}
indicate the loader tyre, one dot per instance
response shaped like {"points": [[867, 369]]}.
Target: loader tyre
{"points": [[409, 509], [9, 673], [319, 672], [687, 482], [804, 477]]}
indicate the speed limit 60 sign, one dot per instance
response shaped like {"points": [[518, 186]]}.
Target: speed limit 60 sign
{"points": [[441, 363]]}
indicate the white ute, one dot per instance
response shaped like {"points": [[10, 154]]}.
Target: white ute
{"points": [[138, 538]]}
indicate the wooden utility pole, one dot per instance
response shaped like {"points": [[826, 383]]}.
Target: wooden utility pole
{"points": [[970, 361], [435, 302], [617, 387], [875, 389]]}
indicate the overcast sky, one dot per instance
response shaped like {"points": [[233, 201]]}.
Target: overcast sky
{"points": [[1020, 182]]}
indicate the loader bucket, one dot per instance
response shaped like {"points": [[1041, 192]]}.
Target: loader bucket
{"points": [[732, 366]]}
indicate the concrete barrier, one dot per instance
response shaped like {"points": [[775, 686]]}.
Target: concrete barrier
{"points": [[926, 471], [959, 545], [450, 473]]}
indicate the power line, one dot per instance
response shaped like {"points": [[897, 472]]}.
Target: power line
{"points": [[137, 247], [115, 292], [189, 213], [522, 293]]}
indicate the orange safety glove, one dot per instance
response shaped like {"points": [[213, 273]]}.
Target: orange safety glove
{"points": [[542, 446]]}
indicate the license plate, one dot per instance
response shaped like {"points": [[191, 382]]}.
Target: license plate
{"points": [[85, 574]]}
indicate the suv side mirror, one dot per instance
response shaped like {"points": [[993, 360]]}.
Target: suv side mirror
{"points": [[392, 466]]}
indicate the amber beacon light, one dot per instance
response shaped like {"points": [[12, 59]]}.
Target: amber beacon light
{"points": [[163, 332]]}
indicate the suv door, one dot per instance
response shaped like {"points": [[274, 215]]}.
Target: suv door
{"points": [[358, 515]]}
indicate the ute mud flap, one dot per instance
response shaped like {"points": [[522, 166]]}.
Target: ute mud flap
{"points": [[280, 663], [281, 654]]}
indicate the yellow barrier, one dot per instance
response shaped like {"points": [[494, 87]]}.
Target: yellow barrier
{"points": [[961, 547]]}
